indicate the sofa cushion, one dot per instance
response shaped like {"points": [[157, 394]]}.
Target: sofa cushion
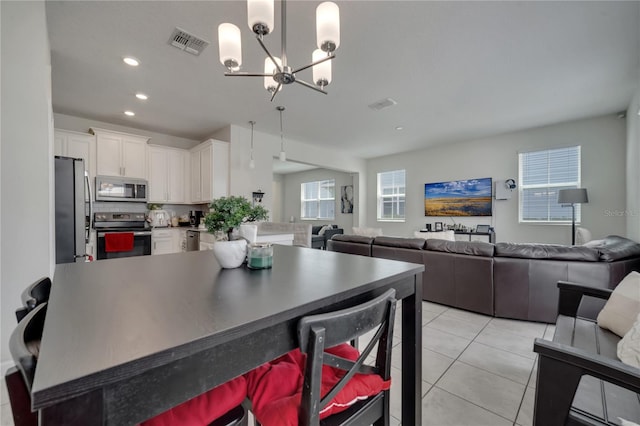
{"points": [[352, 238], [315, 230], [472, 248], [629, 346], [547, 251], [623, 306], [401, 242], [614, 247]]}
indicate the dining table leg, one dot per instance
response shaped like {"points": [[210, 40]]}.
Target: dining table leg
{"points": [[412, 356]]}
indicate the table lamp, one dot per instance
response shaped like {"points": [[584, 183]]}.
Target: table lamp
{"points": [[573, 196]]}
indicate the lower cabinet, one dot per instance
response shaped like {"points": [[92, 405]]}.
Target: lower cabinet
{"points": [[168, 240]]}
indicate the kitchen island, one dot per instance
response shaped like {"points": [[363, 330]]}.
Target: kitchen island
{"points": [[126, 339]]}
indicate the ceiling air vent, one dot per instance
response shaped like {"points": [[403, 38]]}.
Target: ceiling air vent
{"points": [[187, 42], [382, 104]]}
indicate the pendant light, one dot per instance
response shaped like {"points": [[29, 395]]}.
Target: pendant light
{"points": [[252, 164], [283, 155]]}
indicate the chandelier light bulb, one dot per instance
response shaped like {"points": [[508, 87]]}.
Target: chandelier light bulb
{"points": [[269, 68], [328, 26], [321, 72], [230, 46], [260, 16]]}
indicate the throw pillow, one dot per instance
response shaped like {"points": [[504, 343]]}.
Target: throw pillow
{"points": [[275, 388], [325, 228], [629, 345], [623, 306], [205, 408]]}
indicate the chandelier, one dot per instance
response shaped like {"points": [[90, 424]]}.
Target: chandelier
{"points": [[277, 72]]}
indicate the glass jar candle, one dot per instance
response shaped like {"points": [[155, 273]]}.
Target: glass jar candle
{"points": [[260, 256]]}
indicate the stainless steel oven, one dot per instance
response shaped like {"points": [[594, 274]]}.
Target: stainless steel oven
{"points": [[122, 235]]}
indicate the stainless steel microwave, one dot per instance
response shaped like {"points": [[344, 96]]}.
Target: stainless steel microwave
{"points": [[113, 188]]}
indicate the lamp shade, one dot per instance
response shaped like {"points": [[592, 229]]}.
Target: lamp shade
{"points": [[573, 196], [328, 26], [321, 72], [260, 16], [269, 68], [229, 43]]}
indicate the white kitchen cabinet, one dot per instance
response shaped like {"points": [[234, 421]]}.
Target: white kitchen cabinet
{"points": [[179, 240], [167, 174], [120, 154], [209, 171], [76, 145], [162, 241]]}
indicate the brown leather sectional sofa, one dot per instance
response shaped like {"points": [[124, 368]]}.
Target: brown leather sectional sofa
{"points": [[504, 280]]}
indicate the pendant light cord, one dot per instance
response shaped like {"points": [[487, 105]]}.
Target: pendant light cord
{"points": [[252, 123]]}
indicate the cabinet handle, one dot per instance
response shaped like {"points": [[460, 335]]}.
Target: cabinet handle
{"points": [[154, 245]]}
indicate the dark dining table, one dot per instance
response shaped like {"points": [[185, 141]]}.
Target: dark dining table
{"points": [[126, 339]]}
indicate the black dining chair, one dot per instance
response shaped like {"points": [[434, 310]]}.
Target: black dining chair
{"points": [[34, 295], [360, 386], [24, 345], [318, 332]]}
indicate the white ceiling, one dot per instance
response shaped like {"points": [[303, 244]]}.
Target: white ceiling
{"points": [[458, 70]]}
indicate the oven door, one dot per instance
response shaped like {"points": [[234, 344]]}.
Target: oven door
{"points": [[141, 245]]}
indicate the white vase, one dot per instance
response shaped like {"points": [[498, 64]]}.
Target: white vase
{"points": [[230, 254]]}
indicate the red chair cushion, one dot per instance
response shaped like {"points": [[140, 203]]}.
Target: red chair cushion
{"points": [[275, 388], [205, 408]]}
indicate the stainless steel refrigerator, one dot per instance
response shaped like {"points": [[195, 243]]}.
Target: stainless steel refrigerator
{"points": [[73, 209]]}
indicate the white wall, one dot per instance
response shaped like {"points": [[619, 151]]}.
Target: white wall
{"points": [[79, 124], [603, 174], [632, 212], [277, 206], [292, 205], [27, 158], [245, 180]]}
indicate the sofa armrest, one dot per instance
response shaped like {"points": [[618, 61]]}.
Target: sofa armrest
{"points": [[329, 233], [607, 369], [571, 295]]}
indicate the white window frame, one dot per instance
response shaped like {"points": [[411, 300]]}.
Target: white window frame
{"points": [[548, 186], [317, 200], [395, 198]]}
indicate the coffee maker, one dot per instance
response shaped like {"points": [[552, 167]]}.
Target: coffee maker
{"points": [[194, 217]]}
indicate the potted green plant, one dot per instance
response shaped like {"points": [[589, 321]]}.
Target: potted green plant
{"points": [[227, 213]]}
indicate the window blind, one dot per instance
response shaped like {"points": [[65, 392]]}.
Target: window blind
{"points": [[542, 175]]}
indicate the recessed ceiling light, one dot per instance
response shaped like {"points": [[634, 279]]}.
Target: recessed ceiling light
{"points": [[129, 113], [131, 61], [142, 96], [399, 128]]}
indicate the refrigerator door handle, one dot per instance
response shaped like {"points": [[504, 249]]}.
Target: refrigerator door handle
{"points": [[90, 225]]}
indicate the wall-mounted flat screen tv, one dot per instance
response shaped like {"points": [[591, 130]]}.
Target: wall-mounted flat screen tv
{"points": [[471, 197]]}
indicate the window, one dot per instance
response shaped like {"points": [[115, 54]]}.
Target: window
{"points": [[318, 199], [391, 189], [542, 174]]}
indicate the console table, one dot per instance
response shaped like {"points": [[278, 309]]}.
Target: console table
{"points": [[487, 237]]}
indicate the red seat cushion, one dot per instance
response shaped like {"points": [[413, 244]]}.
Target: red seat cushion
{"points": [[205, 408], [275, 388]]}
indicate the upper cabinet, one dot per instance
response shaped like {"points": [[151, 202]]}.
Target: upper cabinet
{"points": [[168, 181], [121, 154], [76, 145], [209, 171]]}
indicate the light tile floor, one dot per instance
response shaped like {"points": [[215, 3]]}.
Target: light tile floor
{"points": [[476, 370]]}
